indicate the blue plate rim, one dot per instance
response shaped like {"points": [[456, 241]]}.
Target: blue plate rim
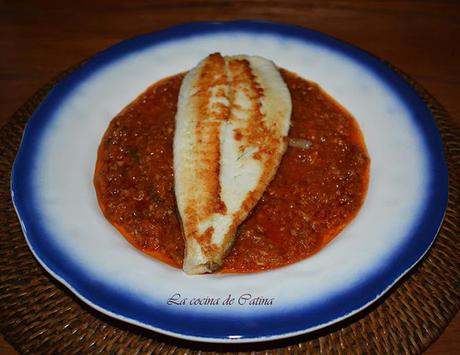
{"points": [[331, 310]]}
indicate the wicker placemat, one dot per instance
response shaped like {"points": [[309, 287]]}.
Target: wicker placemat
{"points": [[38, 314]]}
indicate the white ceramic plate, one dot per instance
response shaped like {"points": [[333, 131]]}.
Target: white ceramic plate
{"points": [[55, 199]]}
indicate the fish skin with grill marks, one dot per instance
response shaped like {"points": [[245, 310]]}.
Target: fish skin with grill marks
{"points": [[232, 121]]}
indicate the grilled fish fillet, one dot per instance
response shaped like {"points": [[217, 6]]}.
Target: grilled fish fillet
{"points": [[232, 121]]}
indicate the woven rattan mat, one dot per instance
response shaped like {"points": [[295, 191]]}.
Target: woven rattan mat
{"points": [[38, 314]]}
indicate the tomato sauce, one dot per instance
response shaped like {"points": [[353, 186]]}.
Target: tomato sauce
{"points": [[318, 189]]}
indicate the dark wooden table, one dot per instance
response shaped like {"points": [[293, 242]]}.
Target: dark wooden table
{"points": [[40, 39]]}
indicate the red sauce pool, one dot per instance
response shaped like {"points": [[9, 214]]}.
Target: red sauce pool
{"points": [[316, 192]]}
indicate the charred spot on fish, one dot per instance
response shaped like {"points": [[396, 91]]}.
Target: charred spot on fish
{"points": [[205, 237], [238, 135]]}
